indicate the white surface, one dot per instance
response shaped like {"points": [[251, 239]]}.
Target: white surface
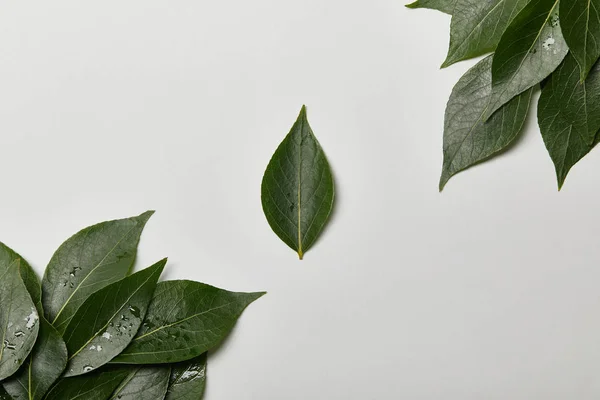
{"points": [[487, 291]]}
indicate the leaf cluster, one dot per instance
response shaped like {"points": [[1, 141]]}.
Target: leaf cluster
{"points": [[549, 43], [93, 328]]}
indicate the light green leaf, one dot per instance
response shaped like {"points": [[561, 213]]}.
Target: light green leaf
{"points": [[188, 380], [46, 363], [184, 320], [88, 261], [477, 27], [18, 318], [445, 6], [147, 383], [108, 320], [95, 386], [530, 50], [468, 138], [580, 21], [569, 115], [297, 188]]}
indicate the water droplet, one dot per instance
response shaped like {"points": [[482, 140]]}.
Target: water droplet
{"points": [[31, 319], [106, 335], [71, 285], [548, 43], [87, 368], [19, 333], [134, 311]]}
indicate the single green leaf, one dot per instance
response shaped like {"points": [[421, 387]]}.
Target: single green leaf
{"points": [[18, 319], [530, 50], [445, 6], [188, 380], [297, 188], [468, 137], [580, 21], [108, 320], [184, 320], [477, 27], [96, 386], [46, 363], [569, 115], [88, 261], [147, 383]]}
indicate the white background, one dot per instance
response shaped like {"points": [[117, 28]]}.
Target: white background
{"points": [[487, 291]]}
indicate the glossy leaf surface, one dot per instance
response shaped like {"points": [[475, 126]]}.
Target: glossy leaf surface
{"points": [[297, 188], [88, 261], [530, 50], [569, 115], [188, 380], [185, 319], [468, 137], [94, 386], [580, 20], [108, 320]]}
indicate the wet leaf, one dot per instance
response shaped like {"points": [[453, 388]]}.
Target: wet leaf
{"points": [[147, 383], [107, 321], [46, 363], [468, 138], [188, 380], [94, 386], [297, 188], [445, 6], [184, 320], [477, 27], [569, 115], [580, 20], [88, 261], [530, 50], [18, 318]]}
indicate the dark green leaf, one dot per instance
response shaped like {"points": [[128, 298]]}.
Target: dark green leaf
{"points": [[297, 188], [569, 115], [147, 383], [445, 6], [188, 380], [477, 27], [18, 319], [530, 50], [580, 21], [108, 320], [88, 261], [7, 256], [4, 395], [46, 363], [184, 320], [95, 386], [468, 138]]}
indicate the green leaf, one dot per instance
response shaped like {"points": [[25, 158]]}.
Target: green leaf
{"points": [[88, 261], [477, 27], [147, 383], [95, 386], [46, 363], [468, 138], [297, 188], [569, 115], [18, 319], [580, 20], [108, 320], [4, 395], [32, 283], [530, 50], [188, 380], [445, 6], [184, 320]]}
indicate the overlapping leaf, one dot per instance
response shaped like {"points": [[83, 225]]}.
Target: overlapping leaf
{"points": [[94, 386], [107, 321], [530, 50], [297, 188], [19, 318], [445, 6], [188, 380], [477, 27], [468, 137], [90, 260], [147, 383], [184, 320], [580, 20], [569, 115]]}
